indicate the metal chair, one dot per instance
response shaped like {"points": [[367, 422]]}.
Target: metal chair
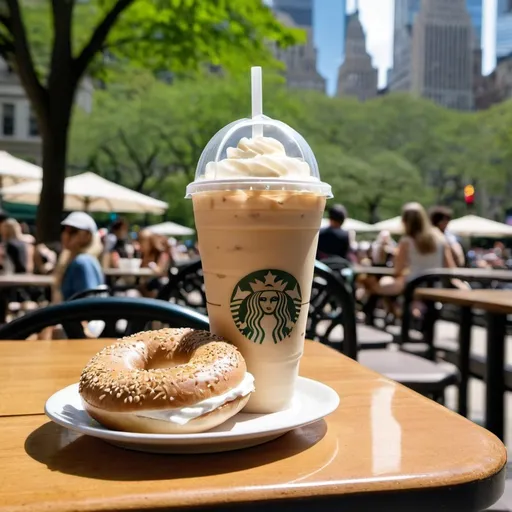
{"points": [[426, 377], [138, 314], [100, 291], [186, 288], [331, 312]]}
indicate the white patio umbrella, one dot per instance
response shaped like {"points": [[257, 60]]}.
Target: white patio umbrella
{"points": [[13, 170], [89, 192], [472, 225], [352, 225], [393, 225], [171, 229]]}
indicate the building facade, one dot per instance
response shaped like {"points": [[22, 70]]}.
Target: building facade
{"points": [[504, 29], [300, 60], [400, 75], [503, 80], [19, 132], [442, 53], [357, 77], [300, 11], [405, 14]]}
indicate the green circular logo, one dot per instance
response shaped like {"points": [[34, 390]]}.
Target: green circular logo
{"points": [[265, 305]]}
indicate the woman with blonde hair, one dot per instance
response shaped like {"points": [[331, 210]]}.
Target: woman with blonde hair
{"points": [[78, 268], [156, 255], [421, 248]]}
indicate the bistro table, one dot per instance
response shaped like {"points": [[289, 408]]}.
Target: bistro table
{"points": [[385, 448], [45, 281], [22, 280], [373, 271], [497, 304], [138, 272]]}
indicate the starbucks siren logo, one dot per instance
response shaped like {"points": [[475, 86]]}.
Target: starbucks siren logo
{"points": [[265, 305]]}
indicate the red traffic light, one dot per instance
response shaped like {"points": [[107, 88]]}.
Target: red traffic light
{"points": [[469, 194]]}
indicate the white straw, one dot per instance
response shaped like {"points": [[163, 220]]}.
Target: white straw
{"points": [[257, 100]]}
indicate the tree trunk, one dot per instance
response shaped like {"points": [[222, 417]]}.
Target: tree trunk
{"points": [[373, 210], [55, 145]]}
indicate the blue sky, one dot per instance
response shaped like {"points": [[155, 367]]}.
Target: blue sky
{"points": [[377, 20]]}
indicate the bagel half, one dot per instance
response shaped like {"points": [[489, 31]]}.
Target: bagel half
{"points": [[171, 381]]}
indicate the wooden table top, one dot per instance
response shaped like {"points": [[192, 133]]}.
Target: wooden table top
{"points": [[494, 301], [14, 280], [483, 274], [118, 272], [373, 271], [383, 437]]}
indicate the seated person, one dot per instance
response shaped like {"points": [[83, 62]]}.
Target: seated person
{"points": [[334, 241], [78, 268]]}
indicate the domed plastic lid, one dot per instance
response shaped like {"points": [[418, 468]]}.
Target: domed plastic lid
{"points": [[257, 153]]}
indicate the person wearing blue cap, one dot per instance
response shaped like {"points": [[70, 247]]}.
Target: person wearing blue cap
{"points": [[78, 268]]}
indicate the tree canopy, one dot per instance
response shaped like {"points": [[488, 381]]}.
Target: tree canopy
{"points": [[52, 45], [376, 155]]}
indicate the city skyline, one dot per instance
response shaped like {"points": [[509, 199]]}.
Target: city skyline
{"points": [[377, 18]]}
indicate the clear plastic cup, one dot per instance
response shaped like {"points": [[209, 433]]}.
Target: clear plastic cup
{"points": [[258, 203], [209, 179]]}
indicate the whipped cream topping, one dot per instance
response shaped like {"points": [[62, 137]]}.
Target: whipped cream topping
{"points": [[261, 157], [182, 415]]}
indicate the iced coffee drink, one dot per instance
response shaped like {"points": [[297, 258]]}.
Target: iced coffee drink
{"points": [[258, 203]]}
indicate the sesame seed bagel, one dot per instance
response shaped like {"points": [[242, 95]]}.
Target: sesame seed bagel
{"points": [[148, 382]]}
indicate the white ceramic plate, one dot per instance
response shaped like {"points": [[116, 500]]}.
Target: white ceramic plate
{"points": [[311, 402]]}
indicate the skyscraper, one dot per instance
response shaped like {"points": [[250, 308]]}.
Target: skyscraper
{"points": [[357, 76], [329, 33], [504, 29], [475, 9], [300, 11], [405, 14], [300, 60], [442, 53]]}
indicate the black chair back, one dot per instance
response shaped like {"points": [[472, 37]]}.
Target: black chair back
{"points": [[100, 291], [337, 263], [122, 316], [332, 303], [332, 306], [186, 288]]}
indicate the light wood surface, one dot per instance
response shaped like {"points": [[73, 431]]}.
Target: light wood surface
{"points": [[473, 274], [383, 437], [31, 371], [140, 272], [494, 301], [373, 271], [22, 280]]}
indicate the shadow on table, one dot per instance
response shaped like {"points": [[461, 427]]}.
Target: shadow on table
{"points": [[68, 452]]}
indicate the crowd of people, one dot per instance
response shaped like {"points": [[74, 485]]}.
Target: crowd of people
{"points": [[415, 249], [426, 243], [78, 261]]}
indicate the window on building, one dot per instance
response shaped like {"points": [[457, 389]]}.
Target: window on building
{"points": [[8, 119], [33, 127]]}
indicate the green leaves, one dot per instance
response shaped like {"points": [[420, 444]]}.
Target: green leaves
{"points": [[376, 155], [166, 35]]}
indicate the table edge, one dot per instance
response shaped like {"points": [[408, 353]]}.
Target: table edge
{"points": [[471, 496], [496, 308]]}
